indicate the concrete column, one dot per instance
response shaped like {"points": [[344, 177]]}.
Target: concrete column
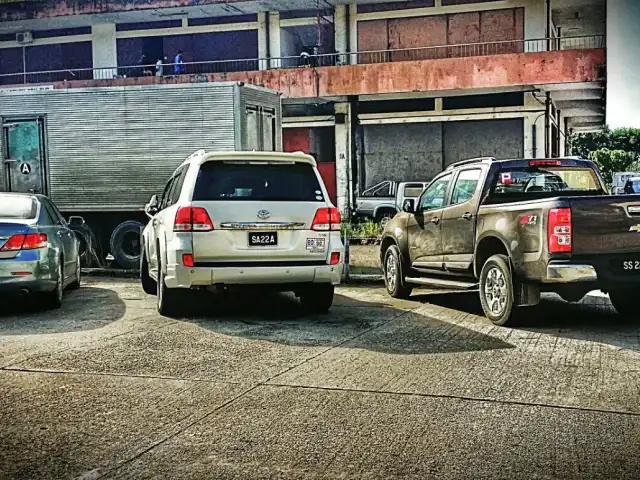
{"points": [[353, 32], [623, 51], [341, 32], [530, 120], [104, 50], [263, 41], [343, 156], [274, 40], [535, 21]]}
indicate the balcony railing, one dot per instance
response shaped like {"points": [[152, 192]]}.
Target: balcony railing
{"points": [[311, 61]]}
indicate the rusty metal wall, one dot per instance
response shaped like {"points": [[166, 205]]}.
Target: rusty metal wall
{"points": [[110, 149]]}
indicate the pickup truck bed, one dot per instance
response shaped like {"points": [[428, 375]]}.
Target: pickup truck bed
{"points": [[514, 228]]}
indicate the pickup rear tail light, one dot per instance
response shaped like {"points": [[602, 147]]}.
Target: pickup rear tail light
{"points": [[535, 163], [559, 230], [326, 219], [192, 219], [30, 241]]}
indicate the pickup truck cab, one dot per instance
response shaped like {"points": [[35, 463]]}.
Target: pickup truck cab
{"points": [[513, 229], [384, 200]]}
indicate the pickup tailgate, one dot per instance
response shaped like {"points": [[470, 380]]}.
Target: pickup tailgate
{"points": [[608, 224]]}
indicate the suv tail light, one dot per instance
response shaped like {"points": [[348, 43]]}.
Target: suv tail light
{"points": [[326, 219], [559, 230], [192, 219], [30, 241]]}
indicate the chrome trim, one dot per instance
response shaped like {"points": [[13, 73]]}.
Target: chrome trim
{"points": [[633, 209], [568, 273], [262, 226]]}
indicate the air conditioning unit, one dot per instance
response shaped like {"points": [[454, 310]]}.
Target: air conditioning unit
{"points": [[24, 37]]}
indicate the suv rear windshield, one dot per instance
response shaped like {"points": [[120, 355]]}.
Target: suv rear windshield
{"points": [[17, 208], [257, 182], [544, 181]]}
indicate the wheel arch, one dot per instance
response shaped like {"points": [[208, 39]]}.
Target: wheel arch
{"points": [[486, 248]]}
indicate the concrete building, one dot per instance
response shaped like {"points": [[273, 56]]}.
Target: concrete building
{"points": [[391, 90]]}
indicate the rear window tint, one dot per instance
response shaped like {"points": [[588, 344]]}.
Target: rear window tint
{"points": [[257, 182], [19, 208]]}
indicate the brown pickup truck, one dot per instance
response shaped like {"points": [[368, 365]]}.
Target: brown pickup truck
{"points": [[513, 229]]}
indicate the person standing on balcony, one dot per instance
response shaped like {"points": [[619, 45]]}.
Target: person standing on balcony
{"points": [[178, 69], [160, 67]]}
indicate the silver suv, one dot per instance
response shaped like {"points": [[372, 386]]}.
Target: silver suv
{"points": [[243, 218]]}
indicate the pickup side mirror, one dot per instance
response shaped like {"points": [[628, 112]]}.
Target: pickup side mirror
{"points": [[408, 206], [76, 221], [153, 206]]}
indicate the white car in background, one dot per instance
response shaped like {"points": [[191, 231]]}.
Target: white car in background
{"points": [[243, 218]]}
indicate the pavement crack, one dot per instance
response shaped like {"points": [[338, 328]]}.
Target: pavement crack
{"points": [[455, 397]]}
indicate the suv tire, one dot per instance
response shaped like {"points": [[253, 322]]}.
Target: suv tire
{"points": [[149, 286], [168, 298], [393, 274], [317, 298], [497, 291], [623, 302]]}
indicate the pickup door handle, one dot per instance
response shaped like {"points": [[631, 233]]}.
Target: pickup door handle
{"points": [[467, 216], [435, 220]]}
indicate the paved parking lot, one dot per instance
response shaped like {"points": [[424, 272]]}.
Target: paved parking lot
{"points": [[249, 387]]}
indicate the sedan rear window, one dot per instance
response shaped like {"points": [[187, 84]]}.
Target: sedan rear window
{"points": [[18, 208], [292, 182]]}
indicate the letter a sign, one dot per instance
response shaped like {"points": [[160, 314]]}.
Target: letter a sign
{"points": [[25, 168]]}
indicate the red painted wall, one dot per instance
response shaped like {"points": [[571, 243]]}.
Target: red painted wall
{"points": [[299, 140]]}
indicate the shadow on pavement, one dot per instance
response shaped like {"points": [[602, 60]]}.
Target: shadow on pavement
{"points": [[85, 309], [279, 318], [593, 318]]}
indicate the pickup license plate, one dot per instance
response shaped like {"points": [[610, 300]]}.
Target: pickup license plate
{"points": [[263, 239], [629, 266]]}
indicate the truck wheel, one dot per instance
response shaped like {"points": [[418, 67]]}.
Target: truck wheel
{"points": [[125, 244], [623, 302], [149, 286], [496, 290], [317, 298], [393, 275], [168, 298], [384, 217]]}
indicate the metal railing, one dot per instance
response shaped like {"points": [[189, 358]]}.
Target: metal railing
{"points": [[311, 61]]}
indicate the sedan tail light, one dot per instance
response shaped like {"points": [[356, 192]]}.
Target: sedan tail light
{"points": [[559, 230], [192, 219], [326, 219], [30, 241]]}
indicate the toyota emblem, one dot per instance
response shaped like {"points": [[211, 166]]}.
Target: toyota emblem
{"points": [[263, 214]]}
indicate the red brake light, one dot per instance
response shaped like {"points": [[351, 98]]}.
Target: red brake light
{"points": [[187, 260], [559, 230], [335, 258], [192, 219], [326, 219], [534, 163], [30, 241]]}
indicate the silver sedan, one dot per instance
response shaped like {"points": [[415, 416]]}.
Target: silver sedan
{"points": [[39, 253]]}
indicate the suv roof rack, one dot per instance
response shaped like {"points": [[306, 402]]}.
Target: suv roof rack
{"points": [[469, 161]]}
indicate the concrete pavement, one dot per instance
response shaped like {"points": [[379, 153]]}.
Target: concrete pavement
{"points": [[249, 387]]}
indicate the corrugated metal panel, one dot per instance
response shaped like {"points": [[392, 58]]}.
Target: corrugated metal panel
{"points": [[262, 97], [112, 148]]}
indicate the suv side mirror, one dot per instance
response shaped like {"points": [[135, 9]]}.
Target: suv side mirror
{"points": [[408, 207], [75, 221], [152, 207]]}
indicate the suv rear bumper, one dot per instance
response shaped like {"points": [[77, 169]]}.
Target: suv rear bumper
{"points": [[179, 276]]}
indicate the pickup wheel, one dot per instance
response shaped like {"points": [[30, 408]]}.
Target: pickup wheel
{"points": [[624, 303], [393, 275], [496, 290]]}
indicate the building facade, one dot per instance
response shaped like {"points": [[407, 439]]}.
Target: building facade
{"points": [[375, 90]]}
